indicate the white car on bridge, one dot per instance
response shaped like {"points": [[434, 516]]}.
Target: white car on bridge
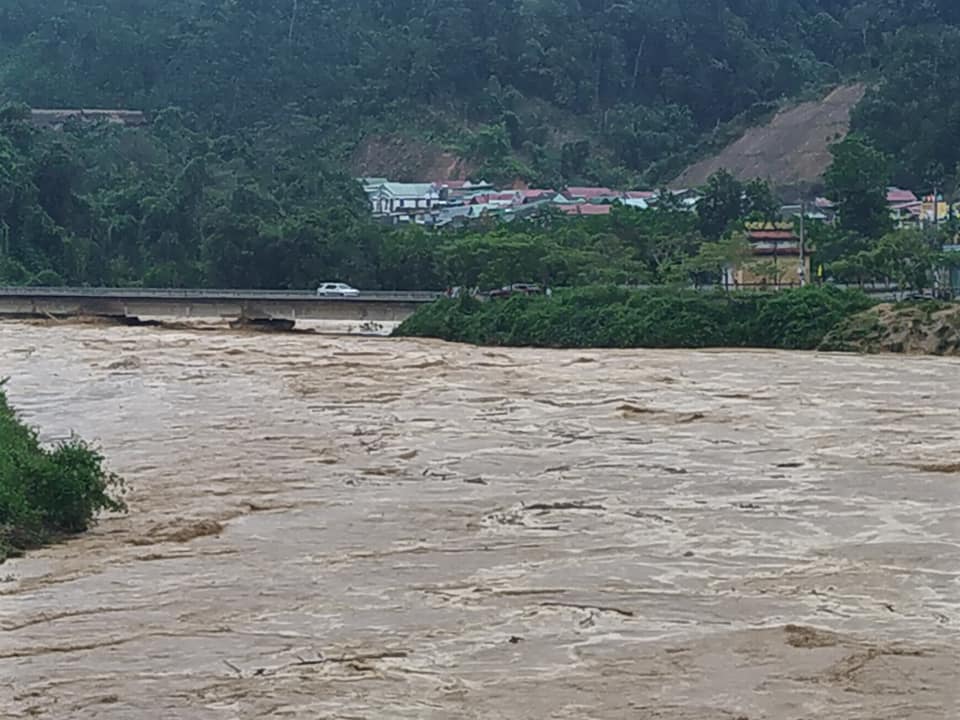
{"points": [[334, 289]]}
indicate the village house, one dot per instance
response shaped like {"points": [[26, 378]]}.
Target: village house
{"points": [[601, 197], [461, 190], [641, 199], [794, 211], [535, 195], [393, 198], [445, 216], [826, 206], [433, 203], [584, 209], [687, 198], [590, 195], [776, 258], [933, 210], [497, 199], [372, 183], [905, 207], [820, 210]]}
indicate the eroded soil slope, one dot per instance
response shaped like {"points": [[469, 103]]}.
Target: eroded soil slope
{"points": [[791, 151], [925, 329], [407, 159]]}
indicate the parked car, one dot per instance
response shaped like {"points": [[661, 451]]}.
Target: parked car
{"points": [[334, 289], [516, 289]]}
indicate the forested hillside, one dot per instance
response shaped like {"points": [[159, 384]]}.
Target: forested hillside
{"points": [[641, 81], [255, 106]]}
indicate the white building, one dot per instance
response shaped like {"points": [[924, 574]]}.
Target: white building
{"points": [[392, 198]]}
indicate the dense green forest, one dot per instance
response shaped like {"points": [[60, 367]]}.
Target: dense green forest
{"points": [[640, 81], [241, 178]]}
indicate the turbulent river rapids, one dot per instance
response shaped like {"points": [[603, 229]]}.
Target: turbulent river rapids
{"points": [[356, 527]]}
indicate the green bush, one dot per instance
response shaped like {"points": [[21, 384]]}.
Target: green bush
{"points": [[660, 317], [48, 493], [799, 319]]}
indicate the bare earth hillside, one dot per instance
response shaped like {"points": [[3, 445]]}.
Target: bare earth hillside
{"points": [[791, 151], [403, 158]]}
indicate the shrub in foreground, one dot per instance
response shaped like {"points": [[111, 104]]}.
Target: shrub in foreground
{"points": [[48, 493]]}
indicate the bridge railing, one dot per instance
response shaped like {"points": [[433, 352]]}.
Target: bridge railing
{"points": [[882, 290], [213, 294]]}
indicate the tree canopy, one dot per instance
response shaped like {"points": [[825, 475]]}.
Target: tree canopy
{"points": [[585, 90], [857, 181]]}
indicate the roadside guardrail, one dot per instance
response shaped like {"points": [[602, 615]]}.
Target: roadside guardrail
{"points": [[213, 294]]}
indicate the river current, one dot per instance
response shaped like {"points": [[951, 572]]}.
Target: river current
{"points": [[345, 527]]}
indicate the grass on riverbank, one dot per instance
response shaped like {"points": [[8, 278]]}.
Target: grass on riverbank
{"points": [[613, 317], [46, 494]]}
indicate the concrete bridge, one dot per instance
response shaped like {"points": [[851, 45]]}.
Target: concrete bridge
{"points": [[277, 307]]}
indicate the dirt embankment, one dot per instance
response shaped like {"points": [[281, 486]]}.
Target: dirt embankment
{"points": [[407, 159], [791, 151], [929, 329]]}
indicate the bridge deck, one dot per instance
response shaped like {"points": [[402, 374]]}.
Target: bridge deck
{"points": [[257, 305], [231, 295]]}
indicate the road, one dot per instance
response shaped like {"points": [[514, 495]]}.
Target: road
{"points": [[222, 294], [270, 305]]}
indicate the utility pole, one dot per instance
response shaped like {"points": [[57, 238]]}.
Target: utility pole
{"points": [[803, 268]]}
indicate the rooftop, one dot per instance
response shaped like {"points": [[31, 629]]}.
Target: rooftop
{"points": [[787, 235], [405, 190], [897, 195], [533, 193], [590, 193], [585, 209]]}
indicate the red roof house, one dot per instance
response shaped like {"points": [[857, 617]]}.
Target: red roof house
{"points": [[896, 196], [591, 194], [585, 209]]}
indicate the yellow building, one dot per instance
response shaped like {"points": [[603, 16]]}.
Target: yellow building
{"points": [[934, 211], [776, 258]]}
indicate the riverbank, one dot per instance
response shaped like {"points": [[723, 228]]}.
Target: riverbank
{"points": [[612, 317], [47, 494], [929, 328]]}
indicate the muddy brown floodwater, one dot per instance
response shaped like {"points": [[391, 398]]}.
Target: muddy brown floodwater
{"points": [[370, 528]]}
